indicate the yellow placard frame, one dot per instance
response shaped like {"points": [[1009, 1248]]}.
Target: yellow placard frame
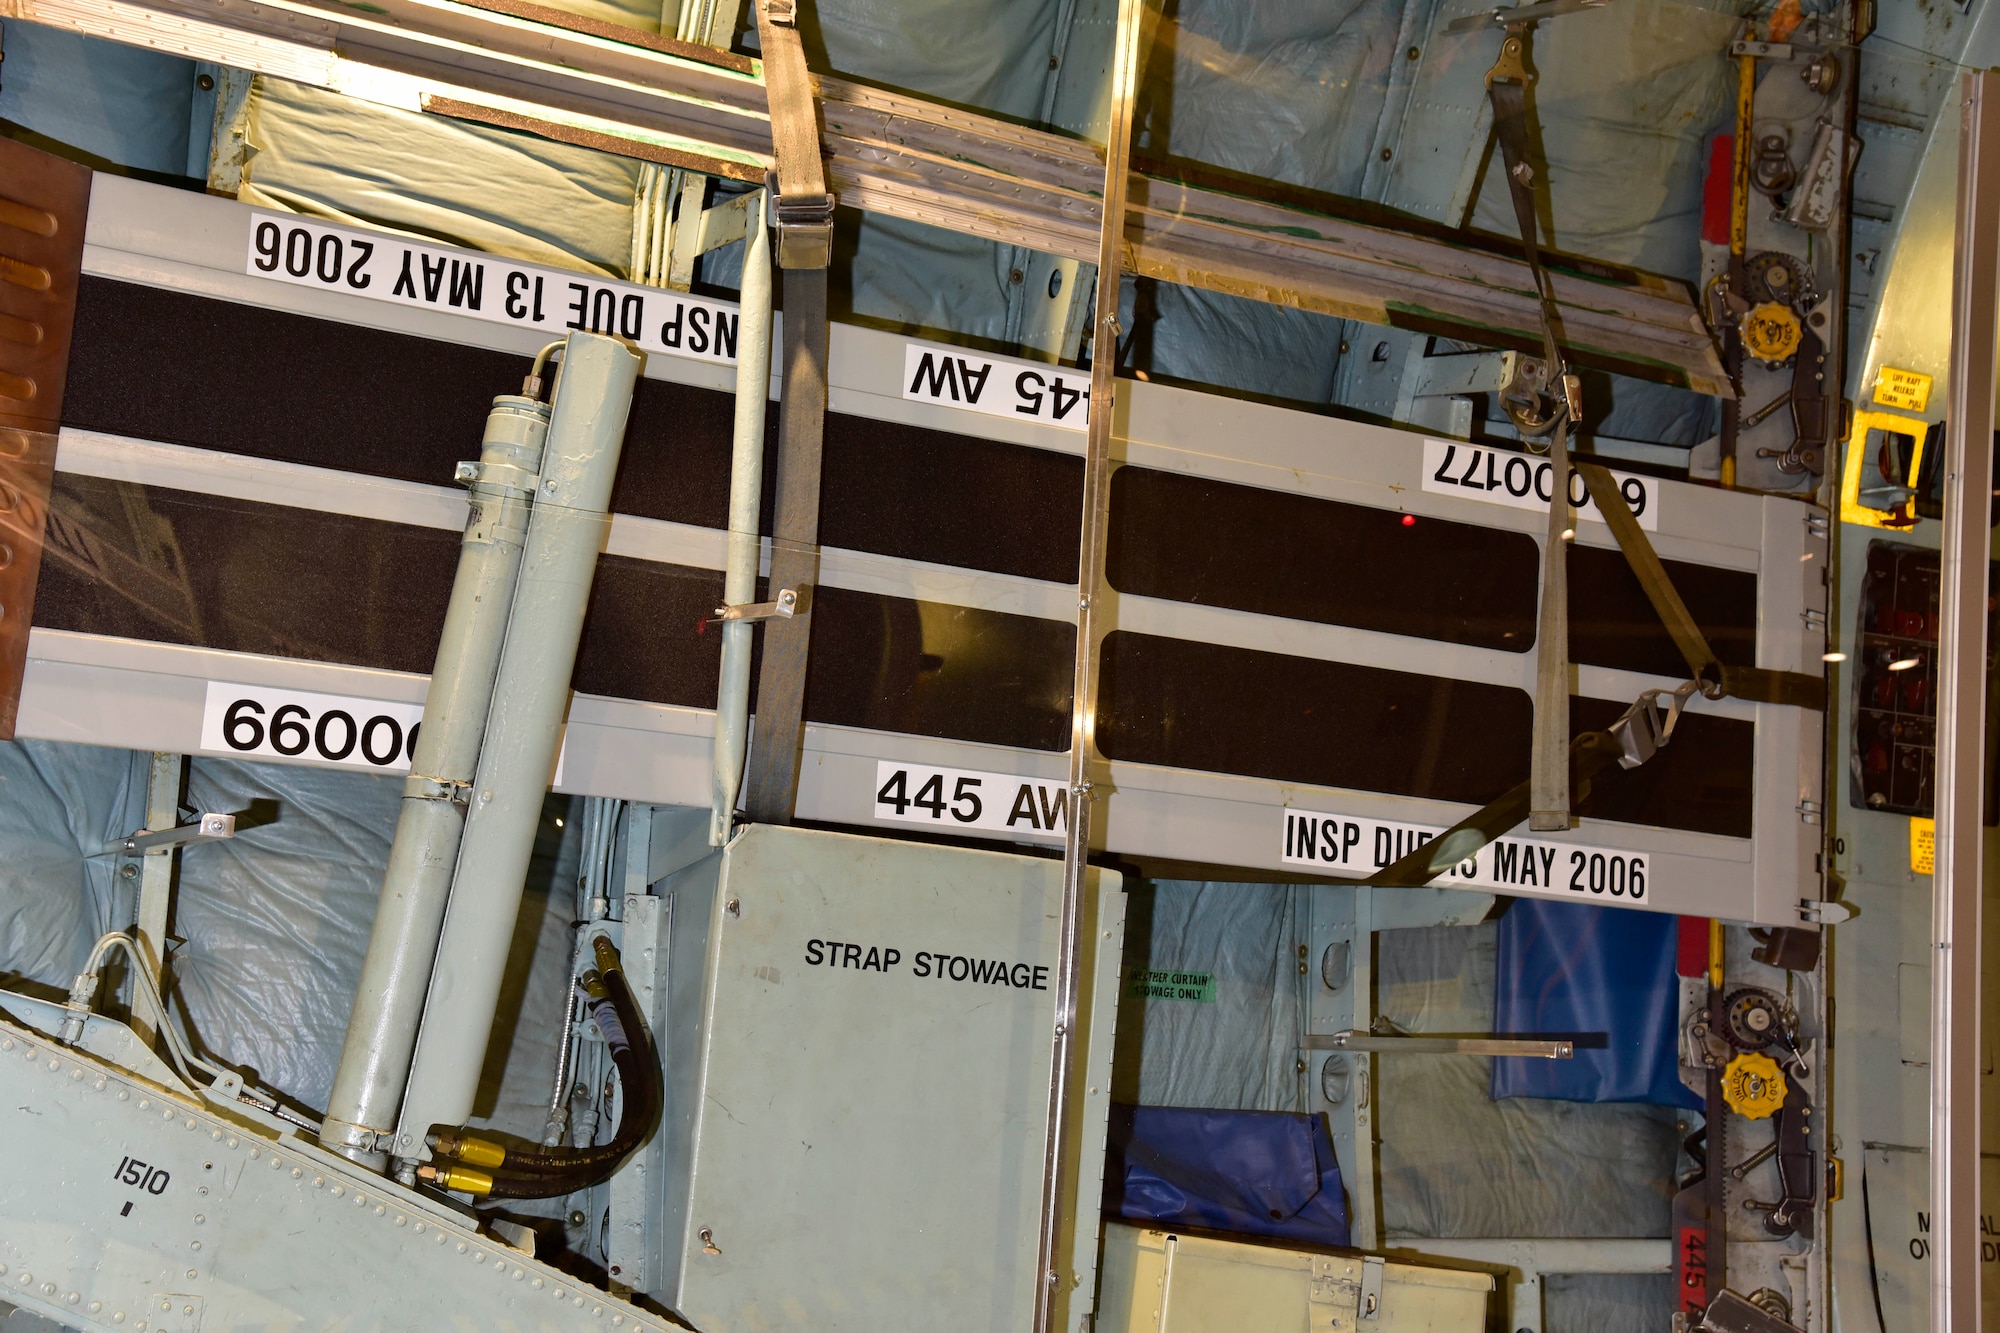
{"points": [[1851, 508]]}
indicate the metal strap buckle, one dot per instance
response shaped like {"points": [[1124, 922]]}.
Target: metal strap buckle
{"points": [[1642, 731], [805, 229]]}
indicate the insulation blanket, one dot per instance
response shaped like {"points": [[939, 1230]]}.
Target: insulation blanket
{"points": [[1603, 978], [270, 927], [1259, 1173]]}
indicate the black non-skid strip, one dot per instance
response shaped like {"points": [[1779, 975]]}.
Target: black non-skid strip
{"points": [[245, 379], [146, 562], [1217, 543], [1292, 719]]}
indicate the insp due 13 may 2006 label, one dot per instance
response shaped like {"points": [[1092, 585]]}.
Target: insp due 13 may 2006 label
{"points": [[1349, 845], [384, 267]]}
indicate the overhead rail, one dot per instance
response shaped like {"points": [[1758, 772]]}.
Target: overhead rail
{"points": [[652, 97]]}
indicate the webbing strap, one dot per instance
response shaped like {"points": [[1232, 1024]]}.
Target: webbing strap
{"points": [[1589, 755], [777, 743], [1507, 88], [1549, 760], [800, 200], [1755, 684]]}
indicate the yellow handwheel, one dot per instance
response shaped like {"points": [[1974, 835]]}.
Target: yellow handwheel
{"points": [[1753, 1085], [1771, 333]]}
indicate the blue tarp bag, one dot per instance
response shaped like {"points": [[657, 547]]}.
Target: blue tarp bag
{"points": [[1602, 976], [1259, 1173]]}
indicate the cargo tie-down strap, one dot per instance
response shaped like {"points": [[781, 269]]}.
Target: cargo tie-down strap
{"points": [[1543, 404], [1710, 674], [803, 209], [1643, 730]]}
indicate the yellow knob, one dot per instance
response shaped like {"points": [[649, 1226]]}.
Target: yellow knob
{"points": [[1771, 333], [1753, 1085]]}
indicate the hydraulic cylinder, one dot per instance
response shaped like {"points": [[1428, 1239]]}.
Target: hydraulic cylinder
{"points": [[388, 1003], [524, 725]]}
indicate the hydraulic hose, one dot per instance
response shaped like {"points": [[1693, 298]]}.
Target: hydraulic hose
{"points": [[485, 1168]]}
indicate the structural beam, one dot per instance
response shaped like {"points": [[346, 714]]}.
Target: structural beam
{"points": [[1957, 1226], [676, 102]]}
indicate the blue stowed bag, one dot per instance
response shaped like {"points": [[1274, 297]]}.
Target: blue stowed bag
{"points": [[1259, 1173]]}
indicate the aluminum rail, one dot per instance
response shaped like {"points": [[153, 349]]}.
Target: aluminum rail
{"points": [[1961, 701], [1091, 626], [1537, 1048], [646, 96]]}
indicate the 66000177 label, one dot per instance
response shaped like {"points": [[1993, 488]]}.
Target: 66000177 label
{"points": [[1350, 845], [955, 798], [1522, 481], [257, 722]]}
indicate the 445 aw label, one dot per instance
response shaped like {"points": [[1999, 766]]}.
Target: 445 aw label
{"points": [[1347, 845], [1034, 390], [956, 798], [385, 267]]}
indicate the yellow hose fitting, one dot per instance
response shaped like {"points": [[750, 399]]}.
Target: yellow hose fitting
{"points": [[479, 1152], [607, 954], [460, 1178]]}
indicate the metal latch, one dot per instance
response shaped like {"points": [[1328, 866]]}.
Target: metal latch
{"points": [[805, 227], [1372, 1268], [209, 828], [1811, 812], [1824, 911], [791, 602]]}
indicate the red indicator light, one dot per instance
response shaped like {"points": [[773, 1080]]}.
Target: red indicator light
{"points": [[1409, 520]]}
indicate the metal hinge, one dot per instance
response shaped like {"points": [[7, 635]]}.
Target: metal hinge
{"points": [[1814, 619], [791, 602], [1811, 812], [1824, 911]]}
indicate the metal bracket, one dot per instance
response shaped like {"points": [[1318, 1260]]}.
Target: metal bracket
{"points": [[1522, 15], [1811, 812], [423, 788], [1372, 1270], [209, 828], [791, 602], [504, 476], [1761, 50]]}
